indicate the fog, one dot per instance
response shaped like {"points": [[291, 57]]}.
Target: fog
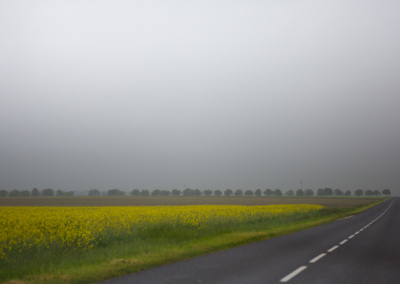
{"points": [[201, 94]]}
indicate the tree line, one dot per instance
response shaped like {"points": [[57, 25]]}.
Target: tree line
{"points": [[197, 192], [35, 192], [240, 192]]}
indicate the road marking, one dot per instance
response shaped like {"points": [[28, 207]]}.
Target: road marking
{"points": [[293, 274], [332, 248], [315, 259]]}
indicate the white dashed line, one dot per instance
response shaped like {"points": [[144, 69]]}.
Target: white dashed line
{"points": [[332, 248], [293, 274], [315, 259]]}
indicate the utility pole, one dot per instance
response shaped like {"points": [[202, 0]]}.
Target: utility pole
{"points": [[301, 184]]}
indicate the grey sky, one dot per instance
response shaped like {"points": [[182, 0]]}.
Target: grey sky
{"points": [[214, 94]]}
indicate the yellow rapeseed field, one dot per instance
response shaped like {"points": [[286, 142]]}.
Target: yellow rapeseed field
{"points": [[27, 229]]}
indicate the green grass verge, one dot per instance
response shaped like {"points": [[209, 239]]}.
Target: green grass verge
{"points": [[124, 257]]}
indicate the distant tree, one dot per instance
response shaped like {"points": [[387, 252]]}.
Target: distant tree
{"points": [[47, 192], [115, 192], [338, 192], [359, 192], [69, 193], [290, 193], [207, 192], [228, 192], [268, 192], [144, 192], [376, 193], [176, 192], [156, 192], [386, 192], [278, 192], [135, 192], [309, 192], [299, 192], [218, 192], [14, 193], [258, 192], [25, 193], [328, 191], [238, 192], [347, 193], [368, 192], [320, 192], [191, 192], [165, 192], [59, 192], [94, 192], [248, 193], [187, 192], [35, 192], [3, 193]]}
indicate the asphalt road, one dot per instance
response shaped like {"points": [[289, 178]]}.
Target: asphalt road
{"points": [[364, 248]]}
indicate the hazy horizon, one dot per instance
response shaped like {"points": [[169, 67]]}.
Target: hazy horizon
{"points": [[209, 94]]}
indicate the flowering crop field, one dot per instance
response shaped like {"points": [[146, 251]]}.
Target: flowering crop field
{"points": [[25, 230]]}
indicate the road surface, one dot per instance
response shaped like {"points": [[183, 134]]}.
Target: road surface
{"points": [[364, 248]]}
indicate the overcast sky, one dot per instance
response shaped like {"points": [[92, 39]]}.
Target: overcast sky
{"points": [[206, 94]]}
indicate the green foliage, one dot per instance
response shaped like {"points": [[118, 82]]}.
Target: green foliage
{"points": [[94, 192], [268, 192], [14, 193], [228, 192], [191, 192], [359, 192], [299, 192], [115, 192], [248, 193], [386, 192], [25, 193], [218, 192], [338, 192], [324, 191], [238, 192], [35, 192], [290, 193], [309, 192], [3, 193], [47, 192], [176, 192]]}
